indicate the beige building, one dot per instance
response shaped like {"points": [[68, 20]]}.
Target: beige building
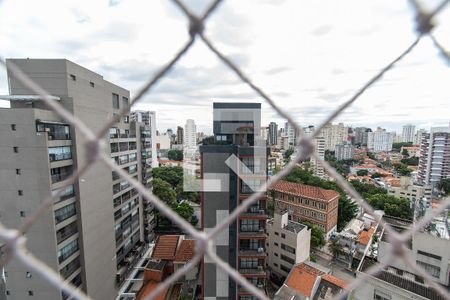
{"points": [[287, 244], [409, 190], [334, 134], [94, 231]]}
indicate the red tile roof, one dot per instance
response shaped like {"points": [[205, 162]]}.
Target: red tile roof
{"points": [[150, 287], [334, 280], [302, 278], [304, 190], [364, 236], [186, 251], [165, 247]]}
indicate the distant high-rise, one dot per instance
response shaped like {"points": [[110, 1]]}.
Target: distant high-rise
{"points": [[334, 134], [408, 133], [190, 134], [360, 135], [434, 161], [180, 135], [418, 136], [380, 140], [92, 234], [319, 148], [344, 151], [273, 134], [149, 119], [291, 133]]}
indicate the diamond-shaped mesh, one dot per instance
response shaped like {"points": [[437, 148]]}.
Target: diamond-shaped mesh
{"points": [[15, 242]]}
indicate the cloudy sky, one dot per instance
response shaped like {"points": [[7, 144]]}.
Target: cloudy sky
{"points": [[310, 56]]}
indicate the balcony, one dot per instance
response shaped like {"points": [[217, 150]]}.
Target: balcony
{"points": [[66, 232], [257, 213], [256, 234], [259, 271], [70, 268], [60, 176], [252, 252]]}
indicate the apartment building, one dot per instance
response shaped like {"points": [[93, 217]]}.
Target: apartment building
{"points": [[409, 190], [94, 230], [344, 151], [434, 161], [287, 244], [273, 134], [236, 134], [397, 280], [319, 148], [334, 134], [360, 135], [180, 135], [408, 133], [308, 203], [380, 140], [419, 136]]}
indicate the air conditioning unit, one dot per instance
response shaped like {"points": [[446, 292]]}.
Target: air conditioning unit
{"points": [[261, 211], [260, 286], [261, 230], [260, 250], [260, 268]]}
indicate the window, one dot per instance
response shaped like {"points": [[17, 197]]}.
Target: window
{"points": [[92, 84], [17, 171], [126, 119], [67, 250], [65, 212], [276, 254], [429, 255], [8, 293], [284, 268], [430, 269], [16, 149], [20, 192], [30, 293], [59, 153], [283, 236], [379, 295], [55, 131], [73, 77], [287, 259], [22, 214], [68, 193], [115, 101], [249, 263], [13, 127], [276, 233], [28, 275], [287, 248], [249, 225], [124, 102], [276, 244]]}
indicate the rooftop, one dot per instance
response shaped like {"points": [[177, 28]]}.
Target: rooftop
{"points": [[304, 190], [165, 247], [365, 235], [329, 287], [302, 278], [403, 280], [186, 251], [157, 265], [294, 227]]}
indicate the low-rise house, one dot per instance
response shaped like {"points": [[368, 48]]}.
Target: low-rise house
{"points": [[310, 281], [287, 244]]}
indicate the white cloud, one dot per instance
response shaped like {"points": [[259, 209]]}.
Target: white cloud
{"points": [[309, 55]]}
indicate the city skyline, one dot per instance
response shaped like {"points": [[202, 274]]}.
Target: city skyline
{"points": [[306, 82]]}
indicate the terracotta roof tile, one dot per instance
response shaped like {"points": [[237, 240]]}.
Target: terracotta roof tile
{"points": [[165, 247], [186, 250], [308, 191], [150, 287], [302, 278], [364, 236], [334, 280]]}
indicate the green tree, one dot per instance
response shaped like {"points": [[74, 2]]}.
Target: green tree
{"points": [[371, 155], [392, 206], [163, 190], [398, 146], [410, 161], [194, 220], [402, 170], [317, 235], [183, 209], [362, 172], [287, 155], [444, 185], [175, 155], [336, 248], [366, 189], [172, 175], [347, 210], [405, 153], [377, 175]]}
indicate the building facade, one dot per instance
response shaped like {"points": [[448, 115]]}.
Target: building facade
{"points": [[380, 140], [273, 134], [190, 134], [236, 134], [287, 244], [95, 228], [308, 203], [180, 135], [344, 151], [408, 133], [334, 134], [360, 135], [434, 161]]}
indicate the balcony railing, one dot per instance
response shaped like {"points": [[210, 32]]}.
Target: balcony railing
{"points": [[58, 157], [70, 268], [60, 177], [66, 232], [252, 252]]}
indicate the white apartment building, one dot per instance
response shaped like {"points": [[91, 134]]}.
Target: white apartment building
{"points": [[419, 135], [190, 134], [287, 244], [344, 151], [408, 133], [380, 140], [334, 134], [409, 190], [434, 161], [399, 281], [149, 119], [291, 133]]}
